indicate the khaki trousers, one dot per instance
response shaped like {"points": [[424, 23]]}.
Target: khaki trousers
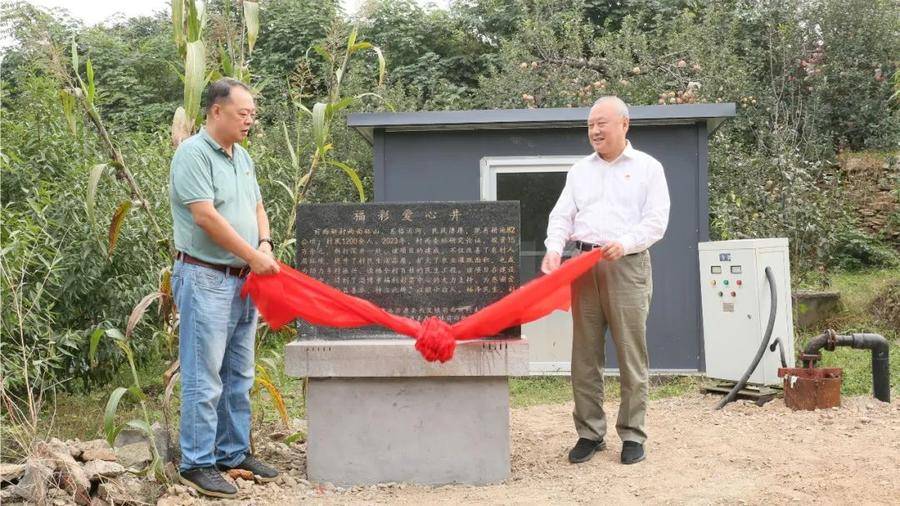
{"points": [[616, 296]]}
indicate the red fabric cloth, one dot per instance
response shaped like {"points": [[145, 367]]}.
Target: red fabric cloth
{"points": [[291, 294]]}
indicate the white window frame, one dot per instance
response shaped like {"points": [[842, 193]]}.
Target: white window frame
{"points": [[493, 165]]}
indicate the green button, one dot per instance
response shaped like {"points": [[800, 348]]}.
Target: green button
{"points": [[725, 282]]}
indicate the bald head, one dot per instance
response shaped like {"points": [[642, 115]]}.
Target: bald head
{"points": [[607, 126]]}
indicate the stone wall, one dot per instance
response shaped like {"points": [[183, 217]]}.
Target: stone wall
{"points": [[871, 182]]}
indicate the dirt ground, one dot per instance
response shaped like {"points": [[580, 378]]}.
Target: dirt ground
{"points": [[743, 454]]}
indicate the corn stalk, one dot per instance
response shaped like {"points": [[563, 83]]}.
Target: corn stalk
{"points": [[321, 116], [85, 94], [110, 428], [188, 22]]}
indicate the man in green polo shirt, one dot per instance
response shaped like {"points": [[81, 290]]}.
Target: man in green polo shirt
{"points": [[221, 234]]}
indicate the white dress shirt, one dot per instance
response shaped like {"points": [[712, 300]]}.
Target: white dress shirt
{"points": [[626, 200]]}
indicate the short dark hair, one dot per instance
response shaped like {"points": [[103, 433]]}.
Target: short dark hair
{"points": [[219, 91]]}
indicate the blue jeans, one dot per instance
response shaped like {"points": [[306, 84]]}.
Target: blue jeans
{"points": [[216, 337]]}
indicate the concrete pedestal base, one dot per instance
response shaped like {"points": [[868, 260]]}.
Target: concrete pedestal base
{"points": [[416, 430], [378, 412]]}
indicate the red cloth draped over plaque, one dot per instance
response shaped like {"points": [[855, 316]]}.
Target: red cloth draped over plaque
{"points": [[290, 294]]}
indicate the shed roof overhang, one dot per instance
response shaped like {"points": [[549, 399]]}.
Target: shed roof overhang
{"points": [[365, 123]]}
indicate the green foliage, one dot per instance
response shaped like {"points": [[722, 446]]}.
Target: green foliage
{"points": [[45, 180], [858, 250]]}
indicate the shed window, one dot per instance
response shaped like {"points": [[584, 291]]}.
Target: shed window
{"points": [[536, 183]]}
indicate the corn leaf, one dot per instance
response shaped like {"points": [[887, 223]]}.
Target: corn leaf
{"points": [[251, 18], [277, 399], [170, 389], [115, 227], [93, 182], [109, 415], [381, 65], [91, 90], [360, 46], [178, 23], [319, 125], [95, 340], [286, 188], [295, 162], [340, 105], [172, 370], [114, 334], [138, 312], [194, 78], [194, 22], [321, 51], [353, 175], [68, 105], [137, 393]]}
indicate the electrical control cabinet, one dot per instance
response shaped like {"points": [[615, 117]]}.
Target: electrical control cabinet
{"points": [[736, 302]]}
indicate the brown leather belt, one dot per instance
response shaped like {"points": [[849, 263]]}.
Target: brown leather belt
{"points": [[229, 270]]}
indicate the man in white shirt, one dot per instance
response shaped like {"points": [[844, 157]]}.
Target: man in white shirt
{"points": [[615, 199]]}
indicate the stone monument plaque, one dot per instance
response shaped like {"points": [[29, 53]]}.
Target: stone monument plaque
{"points": [[443, 259]]}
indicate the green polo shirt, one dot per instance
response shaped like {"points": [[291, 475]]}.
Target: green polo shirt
{"points": [[202, 170]]}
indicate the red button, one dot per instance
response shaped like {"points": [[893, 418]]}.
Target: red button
{"points": [[738, 282]]}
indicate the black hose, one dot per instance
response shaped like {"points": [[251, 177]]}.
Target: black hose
{"points": [[762, 345], [777, 343]]}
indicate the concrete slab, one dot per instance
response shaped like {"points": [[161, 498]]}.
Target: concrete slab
{"points": [[398, 358], [433, 431]]}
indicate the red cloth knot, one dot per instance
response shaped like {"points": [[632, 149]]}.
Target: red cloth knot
{"points": [[435, 340]]}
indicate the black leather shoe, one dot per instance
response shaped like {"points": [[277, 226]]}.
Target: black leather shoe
{"points": [[632, 452], [261, 472], [584, 449], [207, 481]]}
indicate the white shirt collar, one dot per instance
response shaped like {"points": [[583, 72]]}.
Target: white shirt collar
{"points": [[628, 152]]}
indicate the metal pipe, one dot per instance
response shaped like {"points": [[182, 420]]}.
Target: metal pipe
{"points": [[881, 374], [824, 340]]}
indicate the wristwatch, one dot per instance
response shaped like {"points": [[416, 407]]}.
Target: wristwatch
{"points": [[266, 239]]}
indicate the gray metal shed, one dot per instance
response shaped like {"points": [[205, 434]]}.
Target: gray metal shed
{"points": [[523, 154]]}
